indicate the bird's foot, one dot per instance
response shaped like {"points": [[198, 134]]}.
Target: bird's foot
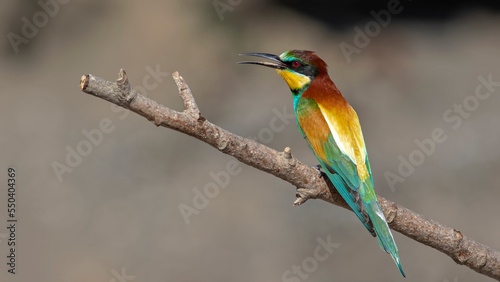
{"points": [[320, 172]]}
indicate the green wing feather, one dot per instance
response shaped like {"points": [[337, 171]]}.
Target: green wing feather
{"points": [[343, 174]]}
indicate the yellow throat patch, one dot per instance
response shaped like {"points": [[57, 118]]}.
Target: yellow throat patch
{"points": [[294, 80]]}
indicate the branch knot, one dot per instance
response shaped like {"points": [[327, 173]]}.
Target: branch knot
{"points": [[287, 154], [222, 145]]}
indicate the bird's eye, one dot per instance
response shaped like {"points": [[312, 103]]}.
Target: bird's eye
{"points": [[295, 64]]}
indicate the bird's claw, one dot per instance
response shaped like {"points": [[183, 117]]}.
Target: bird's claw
{"points": [[320, 172]]}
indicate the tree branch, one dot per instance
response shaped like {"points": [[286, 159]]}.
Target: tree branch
{"points": [[309, 183]]}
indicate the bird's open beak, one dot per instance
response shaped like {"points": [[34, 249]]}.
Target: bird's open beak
{"points": [[278, 65]]}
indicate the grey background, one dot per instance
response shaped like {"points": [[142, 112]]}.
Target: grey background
{"points": [[119, 208]]}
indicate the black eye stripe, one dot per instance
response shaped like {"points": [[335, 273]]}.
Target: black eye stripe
{"points": [[303, 68]]}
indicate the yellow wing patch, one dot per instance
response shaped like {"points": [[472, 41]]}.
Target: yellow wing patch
{"points": [[347, 134], [294, 80]]}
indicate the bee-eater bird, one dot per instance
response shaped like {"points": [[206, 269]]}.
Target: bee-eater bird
{"points": [[331, 127]]}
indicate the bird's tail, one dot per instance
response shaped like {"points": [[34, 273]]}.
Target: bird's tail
{"points": [[384, 235]]}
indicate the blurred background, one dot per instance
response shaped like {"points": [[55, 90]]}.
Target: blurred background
{"points": [[125, 204]]}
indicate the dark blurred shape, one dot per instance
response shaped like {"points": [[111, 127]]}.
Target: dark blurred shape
{"points": [[345, 13]]}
